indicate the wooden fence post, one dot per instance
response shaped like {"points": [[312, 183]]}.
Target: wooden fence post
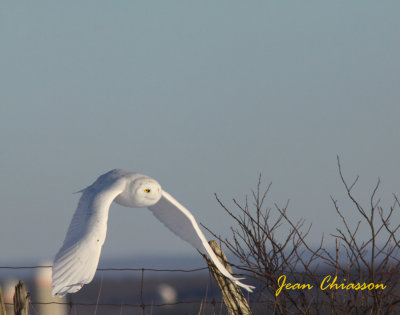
{"points": [[21, 300], [233, 297], [2, 306]]}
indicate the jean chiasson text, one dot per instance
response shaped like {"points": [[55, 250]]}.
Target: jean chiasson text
{"points": [[328, 283]]}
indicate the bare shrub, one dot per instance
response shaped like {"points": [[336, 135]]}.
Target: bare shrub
{"points": [[265, 257]]}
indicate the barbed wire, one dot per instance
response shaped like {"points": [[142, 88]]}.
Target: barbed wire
{"points": [[124, 304], [212, 302], [172, 270], [112, 269]]}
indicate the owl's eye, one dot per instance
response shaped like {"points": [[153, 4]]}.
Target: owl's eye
{"points": [[147, 190]]}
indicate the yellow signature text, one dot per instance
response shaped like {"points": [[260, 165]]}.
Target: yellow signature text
{"points": [[332, 285], [288, 286], [327, 284]]}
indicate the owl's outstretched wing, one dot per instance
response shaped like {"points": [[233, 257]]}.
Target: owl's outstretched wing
{"points": [[180, 221], [76, 262]]}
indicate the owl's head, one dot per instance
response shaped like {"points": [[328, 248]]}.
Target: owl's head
{"points": [[140, 192]]}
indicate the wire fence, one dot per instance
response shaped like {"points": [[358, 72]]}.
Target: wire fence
{"points": [[212, 300]]}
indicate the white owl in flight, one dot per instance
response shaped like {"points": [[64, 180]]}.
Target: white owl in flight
{"points": [[76, 262]]}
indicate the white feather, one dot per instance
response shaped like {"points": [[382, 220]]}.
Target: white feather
{"points": [[180, 221], [76, 262]]}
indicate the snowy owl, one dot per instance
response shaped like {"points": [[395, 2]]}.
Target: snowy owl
{"points": [[76, 262]]}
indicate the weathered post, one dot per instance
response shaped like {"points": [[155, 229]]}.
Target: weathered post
{"points": [[21, 300], [233, 297], [2, 306]]}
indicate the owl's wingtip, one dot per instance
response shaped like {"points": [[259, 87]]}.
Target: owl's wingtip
{"points": [[248, 288]]}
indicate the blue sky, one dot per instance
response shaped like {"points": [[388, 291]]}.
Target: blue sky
{"points": [[202, 96]]}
